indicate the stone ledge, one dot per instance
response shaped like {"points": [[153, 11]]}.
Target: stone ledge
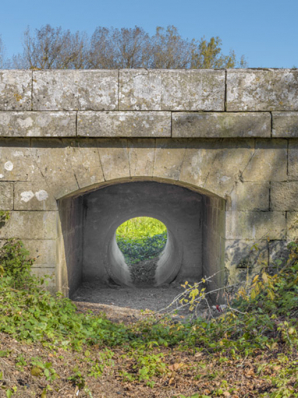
{"points": [[221, 125], [37, 124], [15, 90], [153, 89], [285, 124], [124, 124], [262, 90], [75, 90]]}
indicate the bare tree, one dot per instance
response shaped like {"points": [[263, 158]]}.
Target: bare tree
{"points": [[53, 48], [110, 48], [120, 48], [170, 50]]}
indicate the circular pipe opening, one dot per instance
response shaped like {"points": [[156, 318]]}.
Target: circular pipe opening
{"points": [[158, 270]]}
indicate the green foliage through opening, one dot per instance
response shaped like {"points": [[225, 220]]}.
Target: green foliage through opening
{"points": [[141, 238]]}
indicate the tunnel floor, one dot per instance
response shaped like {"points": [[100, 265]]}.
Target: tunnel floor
{"points": [[150, 298]]}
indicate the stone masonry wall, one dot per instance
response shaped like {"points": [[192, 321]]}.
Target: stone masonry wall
{"points": [[228, 134]]}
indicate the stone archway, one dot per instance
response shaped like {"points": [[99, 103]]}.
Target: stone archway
{"points": [[195, 222]]}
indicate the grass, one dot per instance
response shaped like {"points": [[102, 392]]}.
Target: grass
{"points": [[48, 347]]}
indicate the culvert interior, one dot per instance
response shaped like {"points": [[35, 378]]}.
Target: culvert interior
{"points": [[195, 233]]}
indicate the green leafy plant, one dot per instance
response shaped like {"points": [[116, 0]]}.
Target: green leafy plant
{"points": [[141, 238], [15, 262], [4, 216]]}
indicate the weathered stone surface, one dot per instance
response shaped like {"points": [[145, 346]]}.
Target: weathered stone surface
{"points": [[292, 226], [141, 157], [255, 225], [43, 252], [75, 90], [192, 90], [15, 90], [33, 196], [278, 254], [30, 225], [262, 90], [48, 274], [230, 159], [244, 259], [268, 162], [124, 124], [52, 158], [85, 162], [6, 196], [250, 196], [284, 196], [221, 125], [114, 159], [215, 165], [168, 161], [293, 159], [285, 124], [37, 124], [16, 161]]}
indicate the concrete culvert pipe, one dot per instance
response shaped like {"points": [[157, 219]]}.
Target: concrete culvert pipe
{"points": [[167, 263], [178, 208]]}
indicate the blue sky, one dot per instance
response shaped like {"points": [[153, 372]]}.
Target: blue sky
{"points": [[265, 31]]}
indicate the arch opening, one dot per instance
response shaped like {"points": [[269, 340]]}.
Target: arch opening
{"points": [[89, 222]]}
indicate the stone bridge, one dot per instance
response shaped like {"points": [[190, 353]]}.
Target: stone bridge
{"points": [[211, 153]]}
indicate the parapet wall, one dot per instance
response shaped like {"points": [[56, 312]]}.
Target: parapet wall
{"points": [[149, 103], [230, 135]]}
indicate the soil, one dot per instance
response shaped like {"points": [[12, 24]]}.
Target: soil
{"points": [[121, 302]]}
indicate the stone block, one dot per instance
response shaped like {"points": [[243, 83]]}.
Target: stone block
{"points": [[15, 90], [293, 159], [221, 125], [42, 251], [85, 163], [168, 159], [75, 90], [268, 162], [188, 90], [16, 161], [250, 196], [37, 124], [33, 196], [6, 196], [292, 226], [230, 159], [215, 165], [53, 158], [49, 276], [30, 225], [114, 159], [262, 90], [284, 196], [124, 124], [141, 154], [244, 259], [255, 225], [278, 254], [285, 124]]}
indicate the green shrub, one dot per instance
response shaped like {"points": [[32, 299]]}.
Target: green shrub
{"points": [[141, 238], [15, 263]]}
